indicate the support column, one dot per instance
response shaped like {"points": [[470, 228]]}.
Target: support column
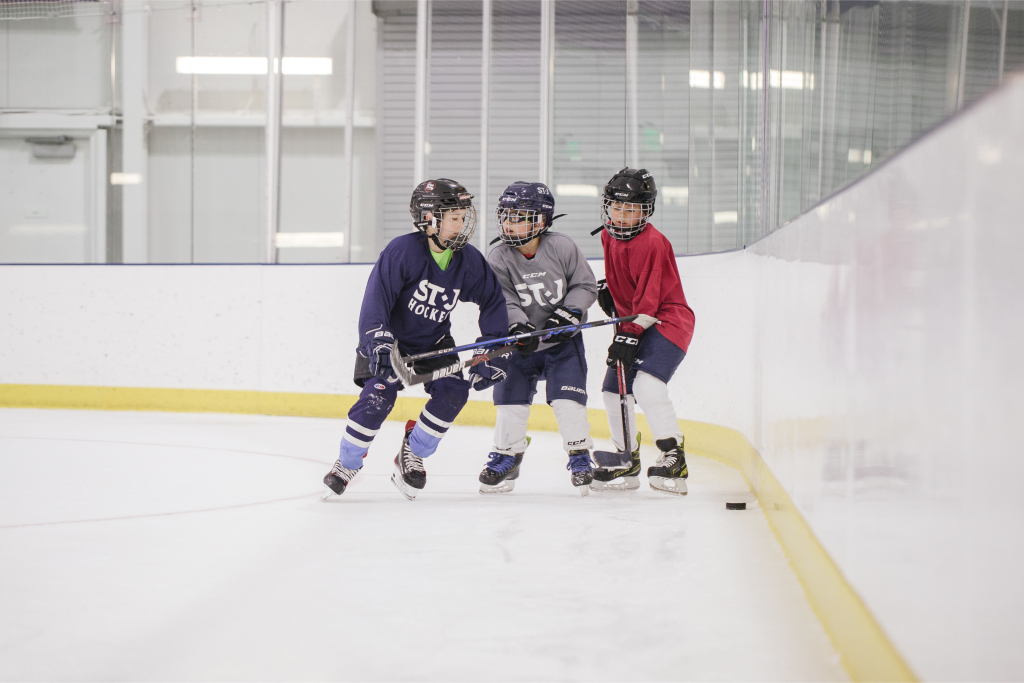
{"points": [[632, 56], [485, 112], [135, 153], [547, 71], [420, 137], [350, 112], [275, 48]]}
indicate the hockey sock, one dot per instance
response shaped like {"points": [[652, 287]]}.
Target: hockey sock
{"points": [[354, 444], [573, 424], [611, 405], [427, 434], [510, 429], [652, 395]]}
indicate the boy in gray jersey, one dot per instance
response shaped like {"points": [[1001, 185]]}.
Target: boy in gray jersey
{"points": [[547, 283]]}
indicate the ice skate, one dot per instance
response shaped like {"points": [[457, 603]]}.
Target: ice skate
{"points": [[337, 480], [501, 472], [669, 473], [582, 471], [409, 476], [616, 471]]}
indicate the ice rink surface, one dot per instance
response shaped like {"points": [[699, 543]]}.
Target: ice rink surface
{"points": [[151, 546]]}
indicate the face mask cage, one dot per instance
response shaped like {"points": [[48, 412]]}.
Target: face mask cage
{"points": [[465, 233], [511, 224], [632, 217]]}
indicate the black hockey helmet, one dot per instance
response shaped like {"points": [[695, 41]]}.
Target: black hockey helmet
{"points": [[523, 202], [431, 200], [633, 192]]}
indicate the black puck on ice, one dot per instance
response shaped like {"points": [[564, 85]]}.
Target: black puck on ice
{"points": [[735, 506]]}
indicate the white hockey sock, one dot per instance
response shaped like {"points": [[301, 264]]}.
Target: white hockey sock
{"points": [[510, 429], [573, 424], [652, 395], [611, 404]]}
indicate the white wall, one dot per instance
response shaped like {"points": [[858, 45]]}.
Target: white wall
{"points": [[869, 350]]}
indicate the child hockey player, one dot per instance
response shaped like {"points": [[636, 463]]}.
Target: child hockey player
{"points": [[642, 278], [412, 290], [548, 283]]}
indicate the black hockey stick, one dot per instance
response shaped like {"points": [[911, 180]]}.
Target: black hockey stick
{"points": [[543, 334], [409, 377]]}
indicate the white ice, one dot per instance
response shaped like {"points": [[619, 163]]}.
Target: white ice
{"points": [[149, 546]]}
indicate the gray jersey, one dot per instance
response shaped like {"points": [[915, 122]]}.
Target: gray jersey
{"points": [[557, 275]]}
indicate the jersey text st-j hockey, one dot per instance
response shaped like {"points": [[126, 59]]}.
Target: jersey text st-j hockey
{"points": [[410, 296]]}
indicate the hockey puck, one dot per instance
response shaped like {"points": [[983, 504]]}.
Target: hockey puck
{"points": [[735, 506]]}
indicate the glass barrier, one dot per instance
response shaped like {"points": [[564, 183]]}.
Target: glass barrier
{"points": [[135, 131]]}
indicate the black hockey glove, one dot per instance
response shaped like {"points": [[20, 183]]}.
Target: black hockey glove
{"points": [[524, 346], [604, 298], [560, 317], [488, 373], [437, 362], [623, 348], [378, 350]]}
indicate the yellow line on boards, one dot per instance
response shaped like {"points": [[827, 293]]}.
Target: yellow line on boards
{"points": [[866, 651]]}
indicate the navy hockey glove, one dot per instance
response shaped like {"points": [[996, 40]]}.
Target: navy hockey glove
{"points": [[623, 348], [524, 346], [560, 317], [489, 372], [378, 350], [604, 298]]}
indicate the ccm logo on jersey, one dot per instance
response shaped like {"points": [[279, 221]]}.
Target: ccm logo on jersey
{"points": [[627, 340], [529, 275]]}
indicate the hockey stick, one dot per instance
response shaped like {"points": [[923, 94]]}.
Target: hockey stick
{"points": [[409, 377], [543, 334]]}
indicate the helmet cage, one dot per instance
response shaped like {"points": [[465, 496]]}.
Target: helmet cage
{"points": [[537, 221], [465, 234], [625, 232]]}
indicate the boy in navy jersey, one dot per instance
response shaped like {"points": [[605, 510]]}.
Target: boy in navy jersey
{"points": [[416, 283]]}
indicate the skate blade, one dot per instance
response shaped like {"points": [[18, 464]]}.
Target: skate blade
{"points": [[584, 490], [328, 493], [408, 491], [502, 487], [618, 484], [667, 485]]}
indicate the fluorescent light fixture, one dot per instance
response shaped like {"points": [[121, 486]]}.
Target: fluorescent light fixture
{"points": [[704, 79], [726, 217], [125, 178], [253, 66], [576, 190], [867, 156], [675, 195], [41, 229], [790, 80], [284, 240], [853, 156]]}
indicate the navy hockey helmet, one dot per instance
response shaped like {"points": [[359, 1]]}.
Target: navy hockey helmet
{"points": [[628, 203], [447, 207], [525, 210]]}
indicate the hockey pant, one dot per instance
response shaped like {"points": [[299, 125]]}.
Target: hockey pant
{"points": [[377, 399], [652, 395], [573, 426]]}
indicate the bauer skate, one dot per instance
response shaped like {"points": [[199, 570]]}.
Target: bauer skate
{"points": [[669, 473], [337, 480], [409, 476], [501, 472], [617, 471], [582, 471]]}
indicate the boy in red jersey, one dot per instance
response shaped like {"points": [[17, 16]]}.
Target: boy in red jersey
{"points": [[642, 278]]}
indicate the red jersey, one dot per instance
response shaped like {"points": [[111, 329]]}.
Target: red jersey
{"points": [[643, 278]]}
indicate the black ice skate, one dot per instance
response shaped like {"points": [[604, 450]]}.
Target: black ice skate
{"points": [[409, 476], [501, 472], [337, 480], [582, 472], [617, 471], [669, 473]]}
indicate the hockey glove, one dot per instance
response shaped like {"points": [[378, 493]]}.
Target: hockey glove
{"points": [[525, 346], [560, 317], [604, 298], [623, 348], [488, 373], [437, 362], [378, 350]]}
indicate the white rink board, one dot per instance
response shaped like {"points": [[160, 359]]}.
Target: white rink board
{"points": [[215, 559]]}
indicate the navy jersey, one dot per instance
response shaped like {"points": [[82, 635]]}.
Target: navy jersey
{"points": [[409, 295]]}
